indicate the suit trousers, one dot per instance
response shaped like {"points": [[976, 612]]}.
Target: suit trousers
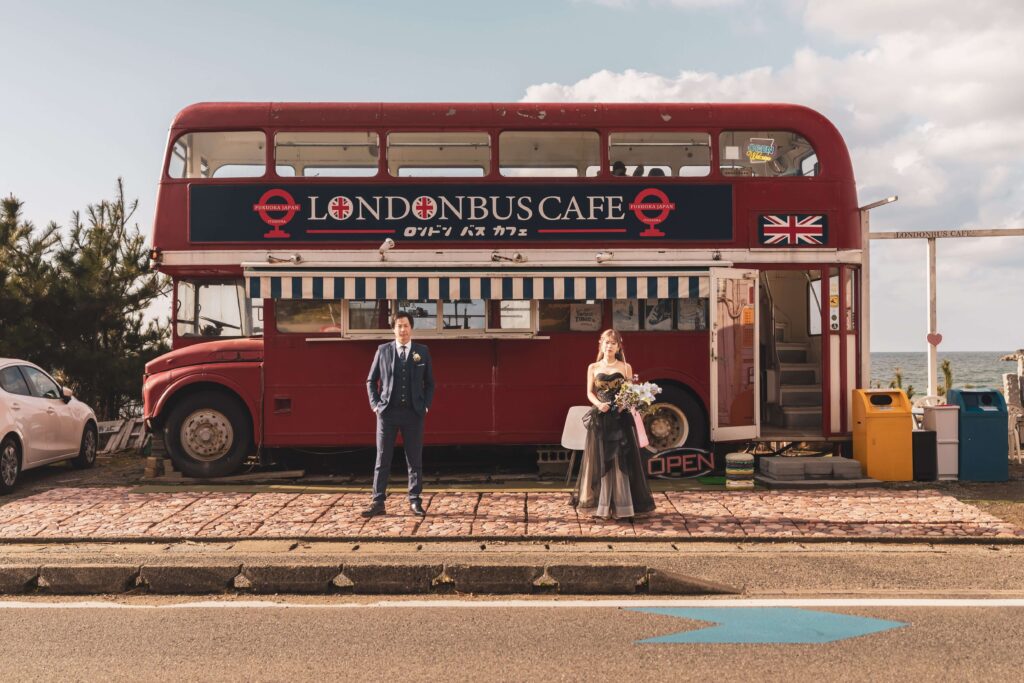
{"points": [[390, 422]]}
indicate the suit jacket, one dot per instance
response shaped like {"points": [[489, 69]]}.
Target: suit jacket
{"points": [[381, 379]]}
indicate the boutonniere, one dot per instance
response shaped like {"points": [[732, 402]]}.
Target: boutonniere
{"points": [[416, 358]]}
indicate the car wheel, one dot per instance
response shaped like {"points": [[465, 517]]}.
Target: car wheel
{"points": [[208, 435], [86, 457], [10, 464], [675, 420]]}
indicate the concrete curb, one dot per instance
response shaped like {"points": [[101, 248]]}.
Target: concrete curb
{"points": [[894, 540], [87, 579], [18, 578], [593, 580], [187, 580], [369, 578], [394, 579], [288, 578]]}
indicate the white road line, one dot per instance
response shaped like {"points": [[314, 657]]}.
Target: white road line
{"points": [[547, 604]]}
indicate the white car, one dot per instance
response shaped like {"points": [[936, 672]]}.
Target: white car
{"points": [[40, 423]]}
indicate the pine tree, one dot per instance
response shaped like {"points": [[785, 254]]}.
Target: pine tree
{"points": [[26, 281], [100, 296]]}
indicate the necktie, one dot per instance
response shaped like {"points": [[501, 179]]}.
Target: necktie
{"points": [[401, 353]]}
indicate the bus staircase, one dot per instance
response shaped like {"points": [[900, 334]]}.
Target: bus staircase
{"points": [[797, 413]]}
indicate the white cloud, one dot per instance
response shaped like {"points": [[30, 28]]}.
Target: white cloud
{"points": [[929, 100]]}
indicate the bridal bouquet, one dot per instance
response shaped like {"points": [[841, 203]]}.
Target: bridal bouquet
{"points": [[636, 397]]}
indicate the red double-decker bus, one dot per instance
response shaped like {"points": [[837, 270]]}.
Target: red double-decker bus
{"points": [[723, 241]]}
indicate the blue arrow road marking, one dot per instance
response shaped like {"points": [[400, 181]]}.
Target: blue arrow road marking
{"points": [[768, 625]]}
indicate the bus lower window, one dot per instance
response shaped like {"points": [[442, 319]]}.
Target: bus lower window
{"points": [[335, 154], [660, 315], [552, 154], [512, 314], [766, 154], [657, 315], [228, 154], [464, 314], [369, 314], [692, 314], [212, 309], [423, 312], [570, 316], [554, 316], [308, 316], [439, 154], [658, 154]]}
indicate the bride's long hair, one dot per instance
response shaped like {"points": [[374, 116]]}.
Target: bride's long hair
{"points": [[617, 338]]}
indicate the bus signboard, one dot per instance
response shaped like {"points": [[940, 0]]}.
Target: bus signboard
{"points": [[431, 213]]}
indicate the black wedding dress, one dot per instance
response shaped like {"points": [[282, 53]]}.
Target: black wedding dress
{"points": [[612, 478]]}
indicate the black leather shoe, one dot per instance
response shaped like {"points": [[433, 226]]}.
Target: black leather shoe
{"points": [[417, 508], [374, 510]]}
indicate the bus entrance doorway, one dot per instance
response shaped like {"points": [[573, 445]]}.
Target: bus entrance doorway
{"points": [[791, 355]]}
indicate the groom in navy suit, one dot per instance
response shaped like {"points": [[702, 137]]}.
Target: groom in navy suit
{"points": [[401, 389]]}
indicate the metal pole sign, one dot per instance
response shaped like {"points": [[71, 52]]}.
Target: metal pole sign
{"points": [[933, 336]]}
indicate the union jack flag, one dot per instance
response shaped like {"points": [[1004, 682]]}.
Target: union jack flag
{"points": [[794, 230]]}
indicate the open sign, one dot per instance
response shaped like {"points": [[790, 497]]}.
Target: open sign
{"points": [[680, 463]]}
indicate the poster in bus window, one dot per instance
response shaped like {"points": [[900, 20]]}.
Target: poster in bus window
{"points": [[585, 317], [554, 316], [626, 314], [691, 314], [658, 314]]}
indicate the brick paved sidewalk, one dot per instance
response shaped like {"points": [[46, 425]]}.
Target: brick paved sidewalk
{"points": [[106, 513]]}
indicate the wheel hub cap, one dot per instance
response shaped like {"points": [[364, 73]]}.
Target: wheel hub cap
{"points": [[667, 427], [90, 446], [206, 434], [9, 465]]}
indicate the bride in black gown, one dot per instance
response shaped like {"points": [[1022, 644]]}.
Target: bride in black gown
{"points": [[612, 479]]}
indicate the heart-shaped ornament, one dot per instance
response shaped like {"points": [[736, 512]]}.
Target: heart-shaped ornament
{"points": [[935, 339]]}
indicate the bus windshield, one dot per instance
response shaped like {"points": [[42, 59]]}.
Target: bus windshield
{"points": [[216, 309]]}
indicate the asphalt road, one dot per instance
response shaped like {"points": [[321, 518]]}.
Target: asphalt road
{"points": [[366, 639]]}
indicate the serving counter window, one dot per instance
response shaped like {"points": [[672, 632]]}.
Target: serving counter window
{"points": [[308, 316], [660, 315], [480, 317], [570, 316], [368, 314]]}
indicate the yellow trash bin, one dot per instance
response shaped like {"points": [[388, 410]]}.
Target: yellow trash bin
{"points": [[882, 426]]}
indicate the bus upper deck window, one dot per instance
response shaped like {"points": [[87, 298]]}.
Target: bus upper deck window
{"points": [[226, 154], [439, 154], [349, 154], [660, 154], [550, 154], [766, 154]]}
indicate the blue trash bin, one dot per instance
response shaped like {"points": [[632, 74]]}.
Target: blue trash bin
{"points": [[984, 448]]}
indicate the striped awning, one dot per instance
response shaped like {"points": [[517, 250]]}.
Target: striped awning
{"points": [[448, 286]]}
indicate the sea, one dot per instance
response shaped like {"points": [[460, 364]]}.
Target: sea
{"points": [[971, 369]]}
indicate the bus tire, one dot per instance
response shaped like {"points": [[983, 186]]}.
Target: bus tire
{"points": [[208, 434], [676, 419]]}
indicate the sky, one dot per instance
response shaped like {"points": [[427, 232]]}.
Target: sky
{"points": [[927, 94]]}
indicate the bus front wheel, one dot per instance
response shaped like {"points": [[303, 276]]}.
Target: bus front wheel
{"points": [[675, 420], [208, 435]]}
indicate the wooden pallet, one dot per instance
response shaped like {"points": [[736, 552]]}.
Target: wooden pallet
{"points": [[122, 435]]}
